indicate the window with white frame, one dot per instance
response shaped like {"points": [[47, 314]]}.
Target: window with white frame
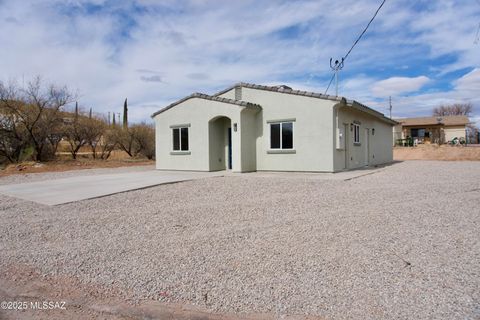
{"points": [[180, 139], [281, 135], [356, 133]]}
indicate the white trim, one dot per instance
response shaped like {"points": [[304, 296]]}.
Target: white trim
{"points": [[185, 125], [180, 151], [279, 151], [281, 122], [356, 133]]}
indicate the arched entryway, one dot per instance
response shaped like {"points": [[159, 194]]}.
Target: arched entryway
{"points": [[220, 143]]}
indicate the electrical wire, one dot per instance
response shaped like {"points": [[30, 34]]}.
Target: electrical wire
{"points": [[358, 39], [331, 80], [364, 30]]}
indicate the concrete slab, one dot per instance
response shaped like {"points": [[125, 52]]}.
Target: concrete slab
{"points": [[343, 175], [60, 191]]}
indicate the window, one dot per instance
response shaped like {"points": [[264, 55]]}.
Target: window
{"points": [[356, 133], [281, 135], [180, 139]]}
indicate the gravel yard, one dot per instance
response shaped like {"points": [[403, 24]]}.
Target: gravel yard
{"points": [[401, 243]]}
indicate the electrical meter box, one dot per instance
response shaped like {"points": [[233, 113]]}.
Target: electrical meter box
{"points": [[340, 138]]}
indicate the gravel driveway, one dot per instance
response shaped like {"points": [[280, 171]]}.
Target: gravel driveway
{"points": [[401, 243]]}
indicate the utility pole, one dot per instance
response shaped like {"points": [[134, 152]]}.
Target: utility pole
{"points": [[108, 117], [390, 107], [336, 67]]}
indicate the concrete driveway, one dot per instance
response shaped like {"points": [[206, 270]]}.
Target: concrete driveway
{"points": [[60, 191]]}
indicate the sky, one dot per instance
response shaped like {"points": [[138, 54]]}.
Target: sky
{"points": [[421, 53]]}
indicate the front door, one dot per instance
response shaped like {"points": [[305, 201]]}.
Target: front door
{"points": [[230, 148]]}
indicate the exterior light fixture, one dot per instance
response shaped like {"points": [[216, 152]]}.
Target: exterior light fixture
{"points": [[235, 127], [373, 131]]}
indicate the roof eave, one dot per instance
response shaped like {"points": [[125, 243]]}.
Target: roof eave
{"points": [[239, 103], [361, 107]]}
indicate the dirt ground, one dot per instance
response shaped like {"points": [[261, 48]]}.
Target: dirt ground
{"points": [[66, 165], [435, 152], [74, 300]]}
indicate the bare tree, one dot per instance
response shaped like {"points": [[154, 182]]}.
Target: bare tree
{"points": [[464, 109], [77, 132], [144, 137], [96, 130], [13, 139], [127, 141], [36, 110], [106, 144], [472, 133]]}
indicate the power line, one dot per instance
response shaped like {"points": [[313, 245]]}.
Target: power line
{"points": [[355, 43], [333, 77], [364, 30]]}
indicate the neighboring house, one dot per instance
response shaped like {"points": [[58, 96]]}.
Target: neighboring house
{"points": [[437, 130], [251, 127]]}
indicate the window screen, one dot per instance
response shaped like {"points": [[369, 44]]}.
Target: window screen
{"points": [[180, 139], [176, 139], [184, 138], [281, 135], [275, 136], [356, 133], [287, 135]]}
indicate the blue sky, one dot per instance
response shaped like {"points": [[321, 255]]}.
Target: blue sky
{"points": [[422, 53]]}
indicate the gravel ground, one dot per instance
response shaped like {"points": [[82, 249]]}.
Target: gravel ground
{"points": [[402, 243]]}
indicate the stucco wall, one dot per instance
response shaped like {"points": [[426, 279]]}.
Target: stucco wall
{"points": [[314, 134], [454, 131], [249, 138], [197, 113], [379, 146], [312, 131]]}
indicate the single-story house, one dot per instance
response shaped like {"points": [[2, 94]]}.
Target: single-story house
{"points": [[437, 130], [250, 127]]}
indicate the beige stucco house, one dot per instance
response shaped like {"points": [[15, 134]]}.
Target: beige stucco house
{"points": [[431, 129], [251, 127]]}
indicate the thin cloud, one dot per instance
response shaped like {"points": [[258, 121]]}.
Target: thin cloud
{"points": [[155, 78], [395, 86]]}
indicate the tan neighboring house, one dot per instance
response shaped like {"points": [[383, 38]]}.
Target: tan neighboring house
{"points": [[250, 127], [437, 130]]}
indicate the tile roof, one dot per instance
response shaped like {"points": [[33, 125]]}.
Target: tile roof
{"points": [[428, 121], [287, 90], [208, 97], [280, 89]]}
